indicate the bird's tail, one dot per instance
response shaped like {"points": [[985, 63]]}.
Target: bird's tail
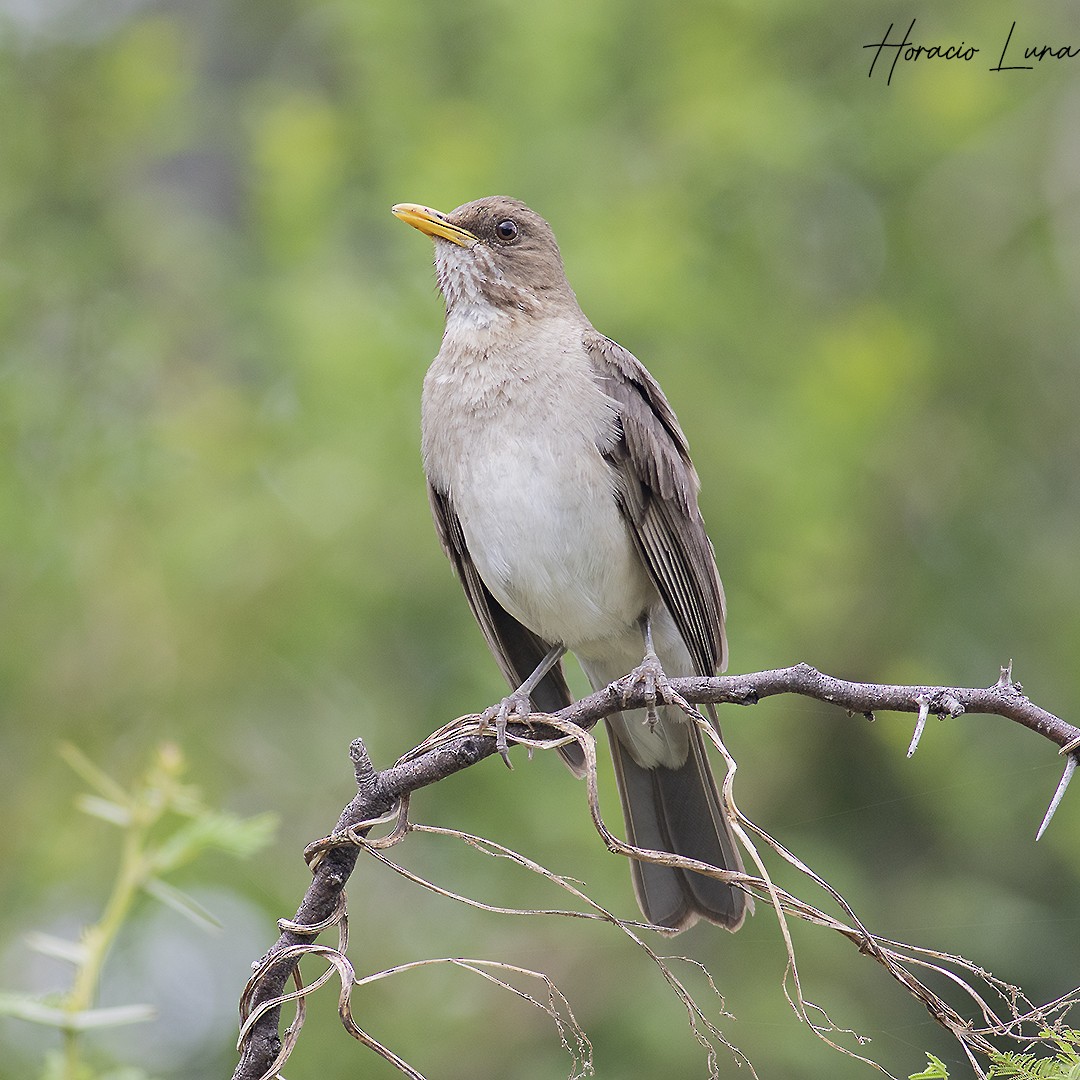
{"points": [[678, 810]]}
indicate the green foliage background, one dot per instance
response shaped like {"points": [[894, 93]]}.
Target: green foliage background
{"points": [[862, 300]]}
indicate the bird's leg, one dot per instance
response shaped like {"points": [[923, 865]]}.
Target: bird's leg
{"points": [[518, 703], [649, 674]]}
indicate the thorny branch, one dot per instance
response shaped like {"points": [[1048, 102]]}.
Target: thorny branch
{"points": [[462, 743]]}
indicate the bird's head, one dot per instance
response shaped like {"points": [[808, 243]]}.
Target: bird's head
{"points": [[494, 253]]}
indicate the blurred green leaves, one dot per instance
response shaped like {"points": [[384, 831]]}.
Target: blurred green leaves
{"points": [[862, 301], [1064, 1065], [165, 825]]}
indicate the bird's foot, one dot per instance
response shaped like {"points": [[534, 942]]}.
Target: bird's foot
{"points": [[515, 706], [649, 675]]}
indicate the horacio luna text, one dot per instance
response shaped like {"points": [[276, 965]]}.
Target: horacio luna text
{"points": [[1010, 58]]}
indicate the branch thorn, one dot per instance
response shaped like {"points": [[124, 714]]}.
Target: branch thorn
{"points": [[920, 724], [1066, 776]]}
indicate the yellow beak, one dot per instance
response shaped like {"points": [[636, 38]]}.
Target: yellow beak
{"points": [[433, 223]]}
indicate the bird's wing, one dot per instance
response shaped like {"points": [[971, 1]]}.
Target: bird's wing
{"points": [[657, 488], [516, 648]]}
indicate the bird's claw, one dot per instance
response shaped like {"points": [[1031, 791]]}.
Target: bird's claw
{"points": [[650, 676], [514, 706]]}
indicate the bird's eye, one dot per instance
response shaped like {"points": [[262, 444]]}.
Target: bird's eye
{"points": [[506, 230]]}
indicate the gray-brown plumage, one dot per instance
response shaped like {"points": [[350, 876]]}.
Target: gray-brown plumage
{"points": [[564, 495]]}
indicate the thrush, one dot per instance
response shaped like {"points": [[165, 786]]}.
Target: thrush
{"points": [[565, 498]]}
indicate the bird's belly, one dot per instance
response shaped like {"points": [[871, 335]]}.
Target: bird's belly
{"points": [[547, 537]]}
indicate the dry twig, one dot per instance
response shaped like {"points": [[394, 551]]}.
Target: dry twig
{"points": [[463, 743]]}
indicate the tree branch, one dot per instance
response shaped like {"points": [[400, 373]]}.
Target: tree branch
{"points": [[462, 744]]}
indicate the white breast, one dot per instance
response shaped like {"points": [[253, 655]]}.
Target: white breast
{"points": [[515, 444]]}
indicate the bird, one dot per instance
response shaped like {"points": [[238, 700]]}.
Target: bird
{"points": [[565, 498]]}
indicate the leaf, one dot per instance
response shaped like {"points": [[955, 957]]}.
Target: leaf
{"points": [[105, 809], [25, 1007], [1027, 1067], [36, 1011], [225, 832], [182, 904], [936, 1069], [74, 952], [116, 1016], [104, 784]]}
